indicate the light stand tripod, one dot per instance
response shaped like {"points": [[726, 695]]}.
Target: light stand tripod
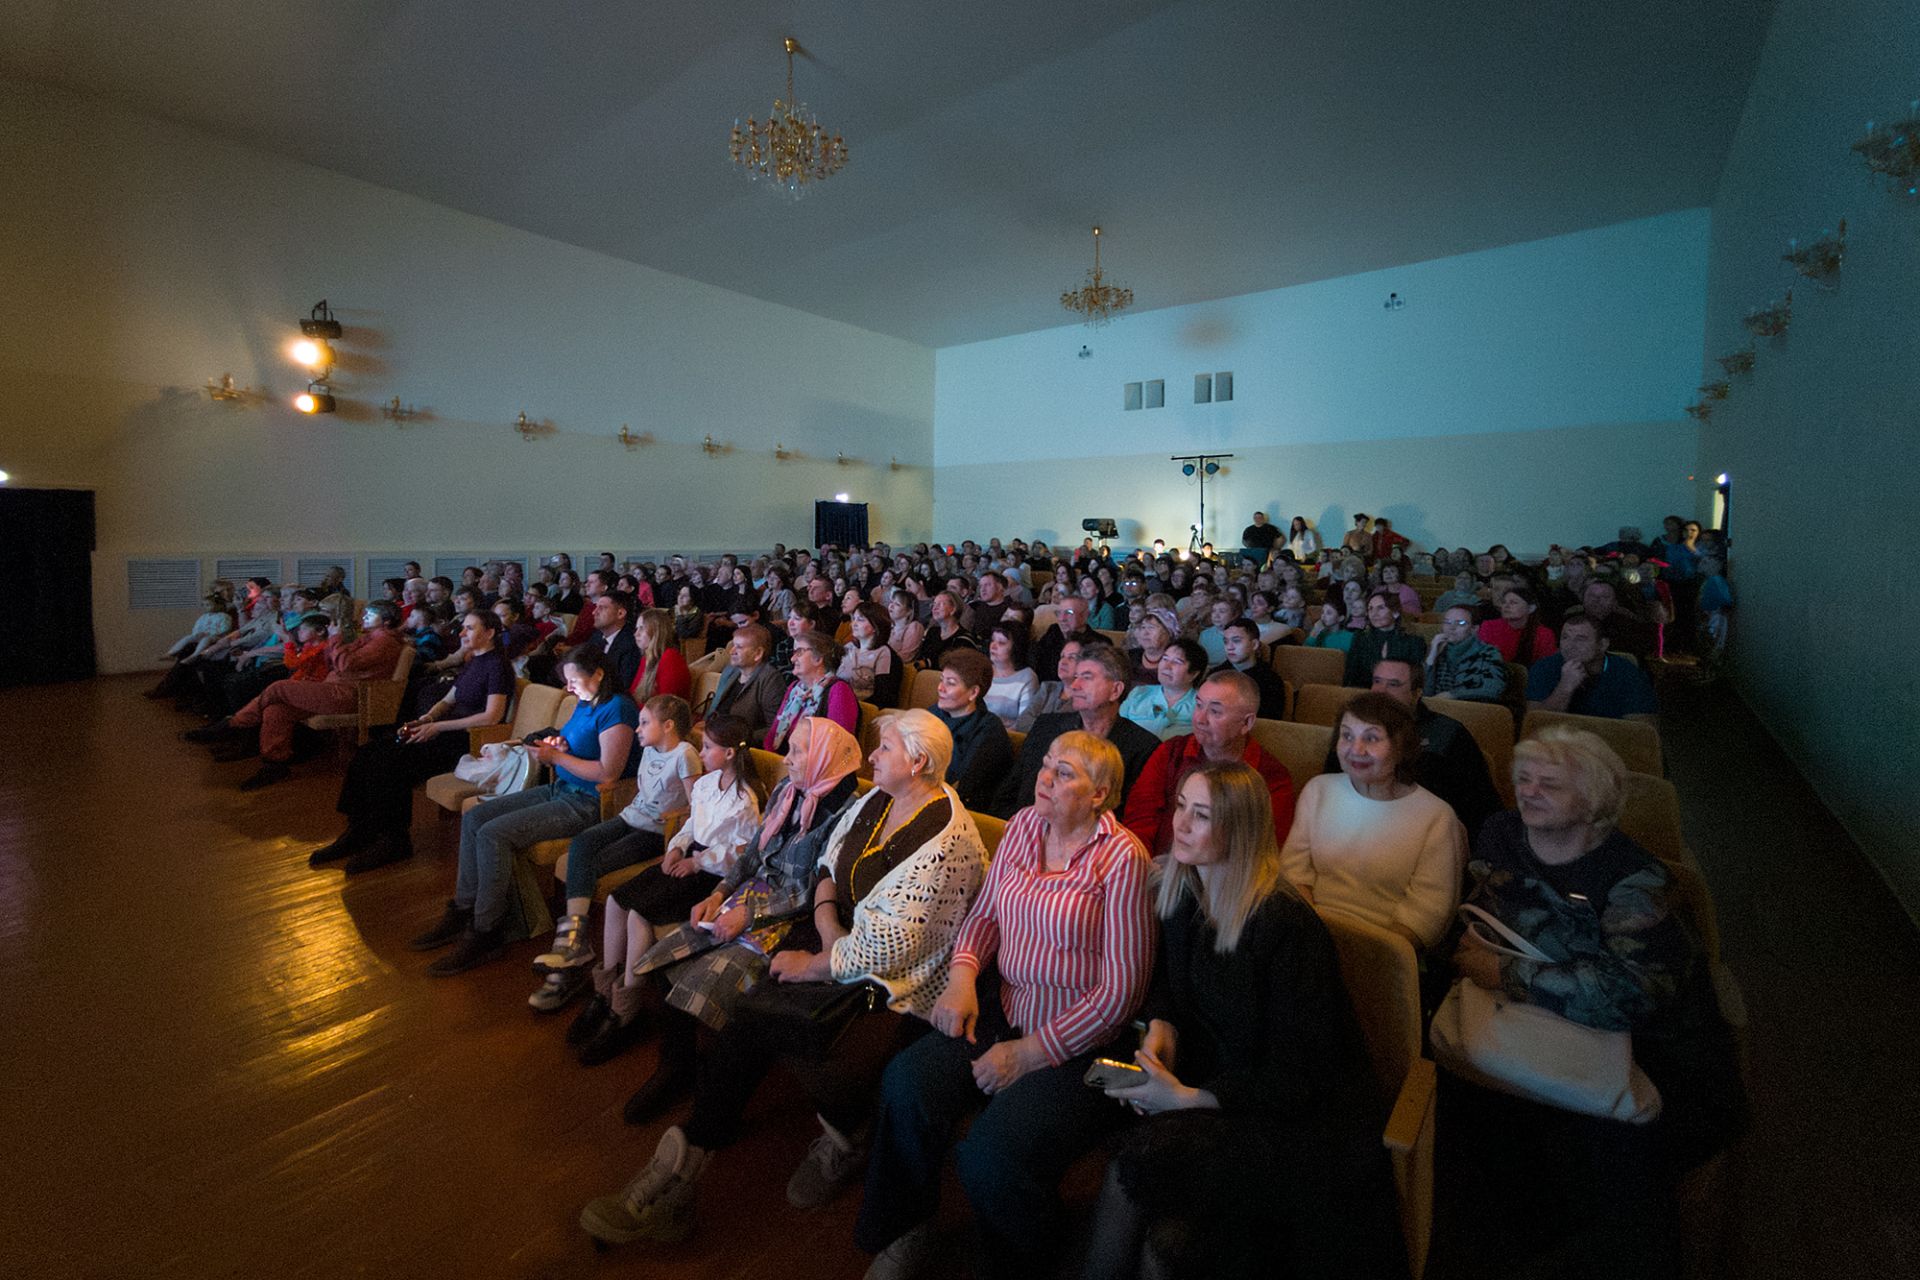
{"points": [[1202, 465]]}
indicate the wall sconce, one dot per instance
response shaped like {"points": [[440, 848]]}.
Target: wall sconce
{"points": [[842, 459], [780, 452], [708, 447], [1700, 411], [1820, 260], [227, 391], [394, 411], [633, 441], [1771, 320], [1738, 362], [529, 429], [1892, 153], [317, 398], [1714, 390], [893, 463]]}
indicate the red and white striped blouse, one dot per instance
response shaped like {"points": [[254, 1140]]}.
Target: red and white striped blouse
{"points": [[1074, 947]]}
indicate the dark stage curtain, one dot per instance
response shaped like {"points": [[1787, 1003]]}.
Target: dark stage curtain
{"points": [[46, 578]]}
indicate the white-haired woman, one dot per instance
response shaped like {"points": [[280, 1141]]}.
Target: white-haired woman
{"points": [[1573, 1188], [1262, 1153], [856, 981]]}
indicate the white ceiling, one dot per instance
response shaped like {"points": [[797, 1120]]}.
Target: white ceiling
{"points": [[1226, 147]]}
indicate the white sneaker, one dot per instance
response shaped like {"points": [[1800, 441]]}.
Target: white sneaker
{"points": [[906, 1257], [832, 1162], [656, 1205]]}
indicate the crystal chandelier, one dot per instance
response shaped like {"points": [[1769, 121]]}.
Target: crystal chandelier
{"points": [[791, 148], [1096, 301]]}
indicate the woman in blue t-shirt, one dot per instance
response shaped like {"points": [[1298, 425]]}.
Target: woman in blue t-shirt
{"points": [[595, 746]]}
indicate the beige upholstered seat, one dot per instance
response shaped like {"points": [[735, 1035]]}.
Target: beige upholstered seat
{"points": [[1637, 742], [1322, 704], [1302, 748], [1491, 725], [1298, 665], [378, 701]]}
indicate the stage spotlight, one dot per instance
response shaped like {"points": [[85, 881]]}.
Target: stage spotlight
{"points": [[1187, 469], [1213, 468], [314, 353], [320, 322], [315, 399]]}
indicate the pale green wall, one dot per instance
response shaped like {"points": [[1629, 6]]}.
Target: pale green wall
{"points": [[1822, 441], [140, 259], [1529, 394]]}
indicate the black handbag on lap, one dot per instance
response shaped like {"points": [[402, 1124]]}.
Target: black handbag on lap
{"points": [[805, 1018]]}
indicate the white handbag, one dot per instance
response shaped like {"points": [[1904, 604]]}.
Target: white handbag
{"points": [[1508, 1045], [498, 770]]}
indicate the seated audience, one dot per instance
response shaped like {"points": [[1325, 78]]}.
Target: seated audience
{"points": [[869, 663], [707, 959], [898, 871], [982, 755], [1461, 664], [1371, 842], [749, 686], [1390, 581], [945, 632], [1223, 716], [1450, 763], [1242, 641], [1014, 682], [595, 746], [1518, 633], [1383, 638], [377, 794], [1052, 695], [663, 788], [217, 621], [1599, 1193], [266, 724], [815, 690], [1330, 630], [1067, 881], [1152, 632], [1165, 707], [905, 630], [1099, 682], [1465, 591], [1261, 1153], [1070, 622], [1585, 679], [1625, 632]]}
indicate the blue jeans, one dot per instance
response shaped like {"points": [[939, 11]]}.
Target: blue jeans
{"points": [[493, 831], [607, 846], [1012, 1159]]}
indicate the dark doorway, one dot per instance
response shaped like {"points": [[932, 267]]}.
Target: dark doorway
{"points": [[46, 578], [842, 523]]}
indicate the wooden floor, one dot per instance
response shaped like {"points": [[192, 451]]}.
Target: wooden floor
{"points": [[220, 1063]]}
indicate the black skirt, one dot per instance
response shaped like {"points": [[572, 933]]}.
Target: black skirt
{"points": [[664, 899]]}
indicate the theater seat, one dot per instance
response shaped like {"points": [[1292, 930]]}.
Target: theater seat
{"points": [[1382, 978], [535, 706], [1650, 816], [1302, 748], [378, 702], [1322, 704], [1299, 665], [1637, 742], [991, 829], [1491, 725], [926, 690]]}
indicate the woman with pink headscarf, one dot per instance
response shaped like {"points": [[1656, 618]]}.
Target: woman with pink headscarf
{"points": [[725, 946]]}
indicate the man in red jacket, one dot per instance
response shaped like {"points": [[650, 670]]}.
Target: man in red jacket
{"points": [[1223, 713]]}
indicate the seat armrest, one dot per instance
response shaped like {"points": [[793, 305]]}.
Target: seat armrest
{"points": [[1414, 1106], [614, 796], [485, 734], [380, 702]]}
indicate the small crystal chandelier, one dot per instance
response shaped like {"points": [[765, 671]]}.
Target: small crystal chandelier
{"points": [[792, 148], [1096, 301]]}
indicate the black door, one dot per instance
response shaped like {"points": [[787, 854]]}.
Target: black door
{"points": [[46, 579]]}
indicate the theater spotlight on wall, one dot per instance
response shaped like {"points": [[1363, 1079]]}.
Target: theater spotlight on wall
{"points": [[320, 322], [317, 398]]}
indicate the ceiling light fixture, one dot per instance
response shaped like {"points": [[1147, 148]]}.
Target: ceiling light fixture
{"points": [[320, 322], [1096, 301], [792, 148]]}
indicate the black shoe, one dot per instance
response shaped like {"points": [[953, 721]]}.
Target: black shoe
{"points": [[671, 1081], [385, 850], [270, 772], [589, 1020], [454, 922], [351, 841], [240, 746], [477, 947], [613, 1039], [219, 731]]}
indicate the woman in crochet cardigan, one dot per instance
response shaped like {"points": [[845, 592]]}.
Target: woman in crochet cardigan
{"points": [[894, 880]]}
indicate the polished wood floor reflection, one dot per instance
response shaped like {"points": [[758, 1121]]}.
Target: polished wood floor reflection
{"points": [[219, 1063]]}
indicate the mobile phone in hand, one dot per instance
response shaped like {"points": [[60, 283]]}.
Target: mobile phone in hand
{"points": [[1111, 1073]]}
